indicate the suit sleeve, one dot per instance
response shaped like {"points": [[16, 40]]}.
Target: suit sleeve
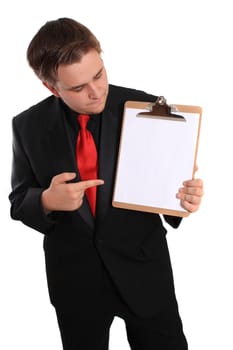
{"points": [[25, 197], [173, 221]]}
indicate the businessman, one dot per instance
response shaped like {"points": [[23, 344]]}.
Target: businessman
{"points": [[101, 261]]}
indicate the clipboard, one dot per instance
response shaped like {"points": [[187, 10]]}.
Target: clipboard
{"points": [[157, 152]]}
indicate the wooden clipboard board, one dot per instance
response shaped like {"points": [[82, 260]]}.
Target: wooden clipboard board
{"points": [[158, 151]]}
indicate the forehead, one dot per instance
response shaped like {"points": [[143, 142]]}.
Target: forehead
{"points": [[80, 72]]}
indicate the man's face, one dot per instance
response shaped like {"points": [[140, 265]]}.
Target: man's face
{"points": [[83, 86]]}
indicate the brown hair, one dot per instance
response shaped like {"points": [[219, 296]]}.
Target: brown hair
{"points": [[59, 42]]}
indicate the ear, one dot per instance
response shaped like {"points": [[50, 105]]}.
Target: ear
{"points": [[51, 88]]}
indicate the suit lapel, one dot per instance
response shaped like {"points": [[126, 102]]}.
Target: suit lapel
{"points": [[62, 155], [110, 130]]}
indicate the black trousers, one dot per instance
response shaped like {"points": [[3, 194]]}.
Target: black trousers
{"points": [[89, 330]]}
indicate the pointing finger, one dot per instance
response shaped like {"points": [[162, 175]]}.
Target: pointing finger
{"points": [[83, 185]]}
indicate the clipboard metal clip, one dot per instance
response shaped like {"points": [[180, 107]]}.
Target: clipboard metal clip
{"points": [[160, 109]]}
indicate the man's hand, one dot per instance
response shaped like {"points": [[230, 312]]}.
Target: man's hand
{"points": [[66, 196], [190, 194]]}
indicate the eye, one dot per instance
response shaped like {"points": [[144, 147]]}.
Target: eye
{"points": [[98, 75], [78, 89]]}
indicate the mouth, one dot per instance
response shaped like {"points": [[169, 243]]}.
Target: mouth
{"points": [[97, 102]]}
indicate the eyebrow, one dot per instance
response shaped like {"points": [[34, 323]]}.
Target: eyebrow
{"points": [[82, 85]]}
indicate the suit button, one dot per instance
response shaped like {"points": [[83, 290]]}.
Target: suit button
{"points": [[100, 241]]}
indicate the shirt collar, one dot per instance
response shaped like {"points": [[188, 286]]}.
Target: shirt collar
{"points": [[71, 116]]}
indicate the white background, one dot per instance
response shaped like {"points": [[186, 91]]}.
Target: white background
{"points": [[179, 49]]}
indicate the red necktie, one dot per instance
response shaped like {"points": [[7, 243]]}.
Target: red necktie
{"points": [[86, 155]]}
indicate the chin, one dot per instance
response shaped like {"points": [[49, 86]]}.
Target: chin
{"points": [[98, 108]]}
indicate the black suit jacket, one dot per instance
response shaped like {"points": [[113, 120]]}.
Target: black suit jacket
{"points": [[130, 244]]}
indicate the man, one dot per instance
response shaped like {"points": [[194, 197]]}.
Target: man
{"points": [[106, 262]]}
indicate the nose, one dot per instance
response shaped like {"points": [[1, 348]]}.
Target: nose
{"points": [[94, 91]]}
